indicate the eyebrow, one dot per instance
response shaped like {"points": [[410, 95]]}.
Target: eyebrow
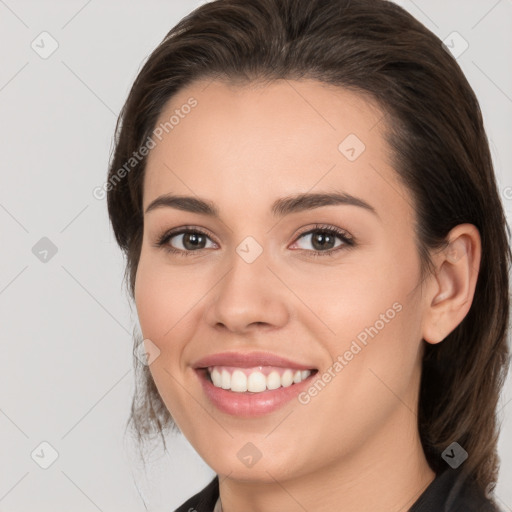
{"points": [[281, 207]]}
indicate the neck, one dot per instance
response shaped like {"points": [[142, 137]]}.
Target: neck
{"points": [[389, 472]]}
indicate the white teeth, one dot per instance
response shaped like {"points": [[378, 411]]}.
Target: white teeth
{"points": [[238, 381], [226, 380], [273, 380], [255, 381], [287, 378], [216, 378]]}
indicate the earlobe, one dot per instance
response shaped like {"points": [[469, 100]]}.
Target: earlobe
{"points": [[450, 291]]}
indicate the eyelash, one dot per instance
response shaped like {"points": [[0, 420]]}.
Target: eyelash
{"points": [[348, 241]]}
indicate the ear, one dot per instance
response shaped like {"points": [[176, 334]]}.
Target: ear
{"points": [[450, 291]]}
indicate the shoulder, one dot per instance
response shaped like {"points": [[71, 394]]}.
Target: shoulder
{"points": [[204, 500], [470, 499], [466, 496], [453, 491]]}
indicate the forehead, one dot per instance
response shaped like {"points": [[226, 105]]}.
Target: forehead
{"points": [[256, 142]]}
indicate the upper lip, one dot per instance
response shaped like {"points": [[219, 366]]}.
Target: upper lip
{"points": [[248, 360]]}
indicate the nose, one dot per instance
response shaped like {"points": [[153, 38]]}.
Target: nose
{"points": [[248, 296]]}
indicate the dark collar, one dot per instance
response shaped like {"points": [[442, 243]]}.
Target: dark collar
{"points": [[450, 491], [203, 501]]}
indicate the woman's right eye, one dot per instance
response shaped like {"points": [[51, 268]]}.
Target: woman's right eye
{"points": [[190, 240]]}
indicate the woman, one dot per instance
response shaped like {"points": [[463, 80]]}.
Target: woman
{"points": [[318, 256]]}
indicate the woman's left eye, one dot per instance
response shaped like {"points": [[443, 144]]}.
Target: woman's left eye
{"points": [[322, 239]]}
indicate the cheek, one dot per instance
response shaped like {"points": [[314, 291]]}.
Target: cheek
{"points": [[163, 298], [376, 313], [362, 301], [161, 309], [387, 330]]}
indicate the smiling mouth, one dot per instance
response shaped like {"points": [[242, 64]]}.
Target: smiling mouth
{"points": [[257, 379]]}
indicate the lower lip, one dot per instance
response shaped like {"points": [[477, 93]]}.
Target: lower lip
{"points": [[248, 404]]}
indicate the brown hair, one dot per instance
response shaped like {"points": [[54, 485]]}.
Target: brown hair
{"points": [[439, 150]]}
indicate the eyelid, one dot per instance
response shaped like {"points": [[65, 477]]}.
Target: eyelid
{"points": [[324, 227]]}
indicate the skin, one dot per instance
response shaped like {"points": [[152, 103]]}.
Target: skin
{"points": [[355, 446]]}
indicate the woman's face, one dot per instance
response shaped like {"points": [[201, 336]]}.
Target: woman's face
{"points": [[249, 289]]}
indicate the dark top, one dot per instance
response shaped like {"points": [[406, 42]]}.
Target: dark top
{"points": [[448, 492]]}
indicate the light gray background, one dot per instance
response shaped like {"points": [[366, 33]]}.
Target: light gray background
{"points": [[66, 324]]}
